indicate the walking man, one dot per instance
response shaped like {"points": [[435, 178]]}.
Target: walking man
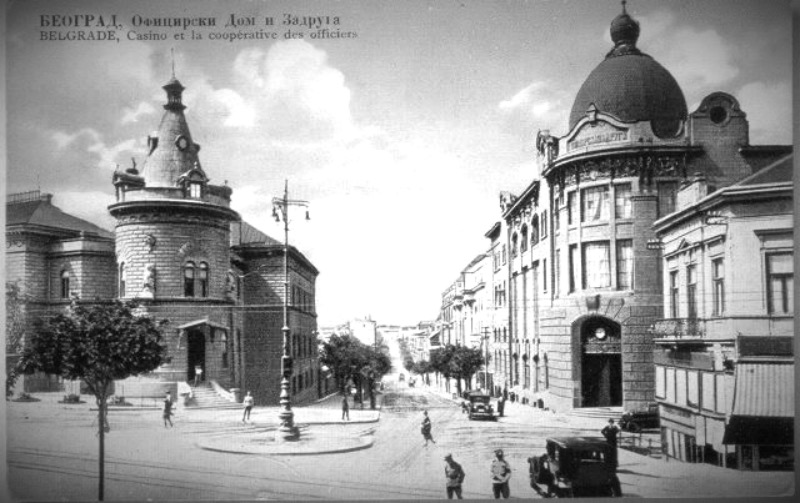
{"points": [[345, 408], [248, 406], [501, 405], [168, 410], [426, 428], [610, 432], [501, 472], [455, 477]]}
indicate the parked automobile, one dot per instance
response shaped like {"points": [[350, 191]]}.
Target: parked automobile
{"points": [[480, 406], [575, 466], [637, 421]]}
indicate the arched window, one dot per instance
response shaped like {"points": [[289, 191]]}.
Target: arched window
{"points": [[202, 280], [514, 245], [535, 230], [188, 279], [65, 284], [122, 279], [523, 242]]}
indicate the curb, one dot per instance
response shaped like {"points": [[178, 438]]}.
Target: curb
{"points": [[273, 452]]}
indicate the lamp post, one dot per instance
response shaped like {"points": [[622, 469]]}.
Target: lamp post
{"points": [[287, 429]]}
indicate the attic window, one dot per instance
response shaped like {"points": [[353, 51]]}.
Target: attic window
{"points": [[195, 190], [718, 114]]}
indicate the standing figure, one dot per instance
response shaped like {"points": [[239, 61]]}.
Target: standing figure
{"points": [[168, 410], [248, 406], [610, 432], [345, 408], [501, 405], [426, 428], [501, 472], [198, 375], [454, 475]]}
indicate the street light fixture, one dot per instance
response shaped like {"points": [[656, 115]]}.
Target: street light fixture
{"points": [[280, 210]]}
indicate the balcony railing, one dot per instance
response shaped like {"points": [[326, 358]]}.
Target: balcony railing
{"points": [[679, 328]]}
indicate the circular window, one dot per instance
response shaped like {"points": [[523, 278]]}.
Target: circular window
{"points": [[718, 114]]}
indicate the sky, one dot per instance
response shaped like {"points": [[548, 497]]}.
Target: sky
{"points": [[400, 134]]}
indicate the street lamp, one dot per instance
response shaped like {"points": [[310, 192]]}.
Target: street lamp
{"points": [[287, 429]]}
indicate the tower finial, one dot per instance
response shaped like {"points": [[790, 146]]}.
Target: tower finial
{"points": [[623, 7]]}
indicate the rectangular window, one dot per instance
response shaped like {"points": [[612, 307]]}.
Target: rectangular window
{"points": [[596, 265], [557, 214], [780, 283], [673, 294], [691, 291], [708, 391], [623, 207], [573, 267], [544, 275], [680, 387], [661, 382], [195, 190], [718, 271], [670, 395], [65, 285], [572, 207], [594, 204], [503, 254], [556, 273], [625, 264], [667, 192], [543, 224], [721, 402], [693, 389]]}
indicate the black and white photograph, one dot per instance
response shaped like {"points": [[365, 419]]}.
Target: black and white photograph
{"points": [[398, 250]]}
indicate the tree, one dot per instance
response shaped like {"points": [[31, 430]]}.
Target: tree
{"points": [[98, 344], [422, 368], [468, 361], [349, 358], [15, 328]]}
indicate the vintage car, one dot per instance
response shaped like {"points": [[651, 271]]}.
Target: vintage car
{"points": [[575, 466], [480, 406], [637, 421]]}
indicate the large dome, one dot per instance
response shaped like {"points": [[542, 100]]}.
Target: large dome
{"points": [[631, 85]]}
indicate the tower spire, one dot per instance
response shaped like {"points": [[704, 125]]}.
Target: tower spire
{"points": [[623, 6]]}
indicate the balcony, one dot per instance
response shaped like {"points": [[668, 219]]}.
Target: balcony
{"points": [[679, 328]]}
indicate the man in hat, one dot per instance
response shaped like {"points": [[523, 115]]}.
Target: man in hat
{"points": [[455, 477], [501, 472], [611, 431]]}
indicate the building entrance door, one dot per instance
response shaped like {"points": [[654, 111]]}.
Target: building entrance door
{"points": [[601, 363], [196, 353], [601, 380]]}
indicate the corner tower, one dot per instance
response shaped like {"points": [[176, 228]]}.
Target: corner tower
{"points": [[173, 240]]}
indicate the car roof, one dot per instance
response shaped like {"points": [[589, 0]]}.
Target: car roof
{"points": [[579, 442], [479, 393]]}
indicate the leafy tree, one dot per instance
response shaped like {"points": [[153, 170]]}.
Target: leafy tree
{"points": [[423, 368], [97, 343], [15, 328], [349, 358], [467, 361], [408, 363]]}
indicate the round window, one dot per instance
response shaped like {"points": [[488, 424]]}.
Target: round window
{"points": [[718, 114]]}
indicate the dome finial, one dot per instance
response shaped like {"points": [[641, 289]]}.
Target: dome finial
{"points": [[624, 30], [623, 6]]}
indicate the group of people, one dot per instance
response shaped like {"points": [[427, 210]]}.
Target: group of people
{"points": [[454, 473]]}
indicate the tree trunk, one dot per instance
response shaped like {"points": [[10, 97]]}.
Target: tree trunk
{"points": [[101, 423]]}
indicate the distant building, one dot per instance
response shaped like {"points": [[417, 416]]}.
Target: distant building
{"points": [[365, 330], [723, 358]]}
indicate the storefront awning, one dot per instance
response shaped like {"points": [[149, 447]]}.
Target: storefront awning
{"points": [[763, 404]]}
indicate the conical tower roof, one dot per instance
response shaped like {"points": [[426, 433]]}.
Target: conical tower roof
{"points": [[172, 151]]}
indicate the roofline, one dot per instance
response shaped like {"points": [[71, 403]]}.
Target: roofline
{"points": [[261, 247], [622, 150], [523, 197], [495, 229]]}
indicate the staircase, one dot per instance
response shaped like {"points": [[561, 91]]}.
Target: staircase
{"points": [[600, 413], [204, 397]]}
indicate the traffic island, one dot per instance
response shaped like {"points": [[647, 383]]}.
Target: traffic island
{"points": [[313, 439]]}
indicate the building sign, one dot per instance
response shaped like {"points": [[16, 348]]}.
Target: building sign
{"points": [[592, 134]]}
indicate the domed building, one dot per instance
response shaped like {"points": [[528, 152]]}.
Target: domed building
{"points": [[585, 267]]}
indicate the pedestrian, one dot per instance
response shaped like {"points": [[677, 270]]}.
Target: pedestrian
{"points": [[455, 477], [610, 432], [198, 375], [426, 428], [168, 410], [248, 406], [501, 472], [465, 407], [501, 405], [345, 408]]}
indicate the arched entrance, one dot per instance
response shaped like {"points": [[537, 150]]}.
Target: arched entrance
{"points": [[196, 352], [600, 362]]}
